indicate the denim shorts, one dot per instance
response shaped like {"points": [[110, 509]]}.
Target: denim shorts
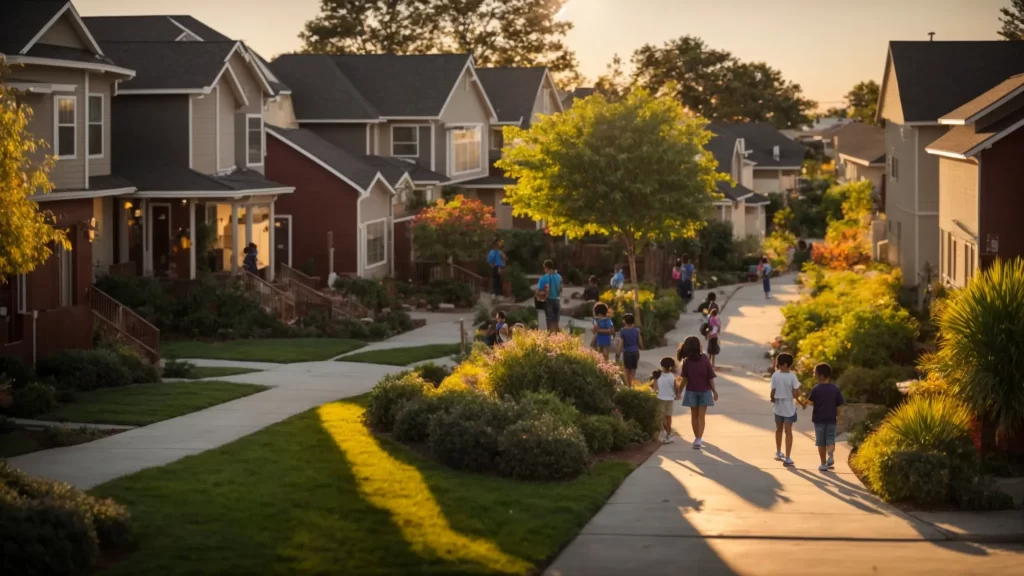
{"points": [[630, 360], [702, 398], [552, 309], [824, 434], [781, 419]]}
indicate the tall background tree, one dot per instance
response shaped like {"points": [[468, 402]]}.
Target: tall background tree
{"points": [[1013, 20], [719, 86], [862, 101], [635, 169], [26, 236], [495, 32]]}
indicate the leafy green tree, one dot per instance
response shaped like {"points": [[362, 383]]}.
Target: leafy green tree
{"points": [[1012, 20], [981, 347], [26, 234], [495, 32], [634, 168], [862, 101], [834, 112], [614, 83], [718, 86]]}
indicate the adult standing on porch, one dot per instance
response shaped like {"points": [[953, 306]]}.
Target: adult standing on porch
{"points": [[496, 259]]}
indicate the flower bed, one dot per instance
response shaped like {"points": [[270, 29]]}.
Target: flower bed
{"points": [[536, 408]]}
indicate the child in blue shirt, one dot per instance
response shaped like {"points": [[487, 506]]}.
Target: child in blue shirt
{"points": [[630, 344], [618, 279], [604, 329], [549, 289]]}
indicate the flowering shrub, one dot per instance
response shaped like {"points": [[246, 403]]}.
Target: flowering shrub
{"points": [[460, 228]]}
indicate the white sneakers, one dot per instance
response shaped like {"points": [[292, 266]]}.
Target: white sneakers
{"points": [[668, 439], [697, 444], [788, 462], [823, 468], [830, 462], [780, 456]]}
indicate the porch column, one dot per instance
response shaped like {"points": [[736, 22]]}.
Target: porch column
{"points": [[234, 238], [192, 239], [273, 245], [248, 224], [147, 238]]}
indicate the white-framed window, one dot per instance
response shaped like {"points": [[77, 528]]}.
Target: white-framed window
{"points": [[405, 141], [894, 168], [65, 131], [94, 138], [465, 149], [546, 104], [65, 276], [375, 251], [497, 139], [253, 139]]}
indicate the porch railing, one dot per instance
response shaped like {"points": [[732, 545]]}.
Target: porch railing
{"points": [[446, 271], [350, 308], [288, 274], [307, 299], [268, 296], [135, 328]]}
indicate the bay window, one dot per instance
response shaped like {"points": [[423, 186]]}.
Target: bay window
{"points": [[376, 243], [465, 149]]}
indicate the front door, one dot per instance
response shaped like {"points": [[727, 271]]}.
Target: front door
{"points": [[161, 239], [283, 240]]}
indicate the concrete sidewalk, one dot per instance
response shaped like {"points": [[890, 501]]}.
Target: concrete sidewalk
{"points": [[733, 509]]}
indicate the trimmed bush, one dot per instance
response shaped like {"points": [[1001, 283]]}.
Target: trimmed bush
{"points": [[17, 373], [466, 437], [640, 405], [875, 385], [44, 537], [599, 432], [537, 405], [367, 291], [388, 396], [36, 398], [140, 370], [85, 370], [433, 373], [178, 369], [378, 331], [541, 449], [412, 423]]}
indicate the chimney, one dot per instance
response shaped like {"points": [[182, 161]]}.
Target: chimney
{"points": [[775, 152]]}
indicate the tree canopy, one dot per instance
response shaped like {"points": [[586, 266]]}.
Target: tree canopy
{"points": [[862, 101], [1012, 20], [26, 235], [460, 228], [495, 32], [717, 85], [635, 168]]}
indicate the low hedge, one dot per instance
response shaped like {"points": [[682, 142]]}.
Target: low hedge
{"points": [[84, 370], [51, 527], [609, 433], [31, 400], [641, 406], [388, 396], [542, 449], [875, 385], [15, 371]]}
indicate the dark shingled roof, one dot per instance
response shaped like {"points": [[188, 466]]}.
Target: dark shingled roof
{"points": [[760, 138], [321, 91], [148, 28], [170, 65], [577, 94], [419, 174], [935, 78], [170, 178], [963, 139], [22, 20], [861, 141], [99, 184], [40, 50], [1007, 89], [512, 91], [349, 166], [491, 180], [367, 86], [734, 193]]}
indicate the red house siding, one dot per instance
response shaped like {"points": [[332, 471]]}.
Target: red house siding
{"points": [[321, 203], [1002, 197], [56, 327]]}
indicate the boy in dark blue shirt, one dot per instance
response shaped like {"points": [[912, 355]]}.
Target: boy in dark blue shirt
{"points": [[827, 398]]}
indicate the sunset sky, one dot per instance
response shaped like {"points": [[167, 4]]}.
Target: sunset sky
{"points": [[824, 45]]}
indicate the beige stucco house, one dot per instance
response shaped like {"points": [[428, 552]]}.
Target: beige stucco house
{"points": [[923, 81]]}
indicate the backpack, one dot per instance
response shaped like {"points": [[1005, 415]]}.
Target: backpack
{"points": [[677, 273]]}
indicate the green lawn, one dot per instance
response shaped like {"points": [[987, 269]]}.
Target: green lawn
{"points": [[142, 404], [318, 494], [17, 442], [199, 372], [404, 356], [284, 350]]}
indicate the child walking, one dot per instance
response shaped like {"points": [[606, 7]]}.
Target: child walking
{"points": [[665, 383], [714, 329], [698, 385], [603, 329], [827, 398], [630, 344], [766, 277], [785, 389]]}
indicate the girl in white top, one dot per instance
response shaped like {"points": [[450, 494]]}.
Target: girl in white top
{"points": [[785, 389], [665, 383]]}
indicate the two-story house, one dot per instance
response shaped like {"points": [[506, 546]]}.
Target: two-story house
{"points": [[980, 172], [743, 205], [520, 96], [419, 121], [59, 71], [189, 134], [922, 82]]}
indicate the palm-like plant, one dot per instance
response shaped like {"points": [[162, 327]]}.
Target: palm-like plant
{"points": [[981, 346]]}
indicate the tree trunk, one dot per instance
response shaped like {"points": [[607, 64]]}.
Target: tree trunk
{"points": [[631, 255]]}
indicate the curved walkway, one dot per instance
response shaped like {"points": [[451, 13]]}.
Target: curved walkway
{"points": [[733, 509]]}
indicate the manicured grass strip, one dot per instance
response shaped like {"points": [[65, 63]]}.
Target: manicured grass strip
{"points": [[404, 356], [17, 442], [283, 350], [317, 494], [218, 371], [142, 404]]}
